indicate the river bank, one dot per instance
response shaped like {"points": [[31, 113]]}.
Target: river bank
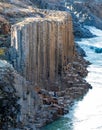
{"points": [[58, 102], [87, 112]]}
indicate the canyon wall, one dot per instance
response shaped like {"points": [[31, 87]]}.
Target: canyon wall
{"points": [[42, 52], [41, 47]]}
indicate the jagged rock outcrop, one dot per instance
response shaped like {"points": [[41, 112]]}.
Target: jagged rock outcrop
{"points": [[9, 107], [29, 102], [19, 102], [41, 47]]}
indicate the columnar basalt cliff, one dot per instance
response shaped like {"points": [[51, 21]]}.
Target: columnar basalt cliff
{"points": [[48, 72], [43, 46]]}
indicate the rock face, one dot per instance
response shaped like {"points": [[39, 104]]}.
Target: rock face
{"points": [[9, 107], [29, 103], [18, 100], [41, 47]]}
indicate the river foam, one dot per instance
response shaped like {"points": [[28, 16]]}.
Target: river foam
{"points": [[89, 110]]}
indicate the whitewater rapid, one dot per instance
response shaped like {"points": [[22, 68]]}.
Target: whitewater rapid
{"points": [[86, 114]]}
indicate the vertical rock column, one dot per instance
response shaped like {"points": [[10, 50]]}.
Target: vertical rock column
{"points": [[42, 46]]}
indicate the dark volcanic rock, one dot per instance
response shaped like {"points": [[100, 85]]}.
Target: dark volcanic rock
{"points": [[80, 50], [96, 49], [9, 108], [79, 30]]}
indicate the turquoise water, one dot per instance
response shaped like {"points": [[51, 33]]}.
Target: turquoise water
{"points": [[87, 113]]}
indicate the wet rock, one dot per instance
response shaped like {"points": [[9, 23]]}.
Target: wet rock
{"points": [[98, 50]]}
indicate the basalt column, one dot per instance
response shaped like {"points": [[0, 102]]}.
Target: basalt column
{"points": [[42, 47]]}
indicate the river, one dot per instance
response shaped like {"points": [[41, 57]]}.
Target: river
{"points": [[86, 114]]}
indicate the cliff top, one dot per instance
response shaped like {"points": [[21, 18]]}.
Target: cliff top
{"points": [[50, 16], [15, 12], [21, 12]]}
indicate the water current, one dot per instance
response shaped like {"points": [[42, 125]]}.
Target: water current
{"points": [[86, 114]]}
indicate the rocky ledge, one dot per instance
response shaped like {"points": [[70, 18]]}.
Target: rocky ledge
{"points": [[56, 101]]}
